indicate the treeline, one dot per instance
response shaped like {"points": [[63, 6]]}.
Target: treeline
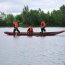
{"points": [[34, 17]]}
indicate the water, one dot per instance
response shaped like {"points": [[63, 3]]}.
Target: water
{"points": [[24, 50]]}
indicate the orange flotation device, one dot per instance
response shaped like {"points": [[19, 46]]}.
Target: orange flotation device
{"points": [[15, 24], [43, 24], [30, 29]]}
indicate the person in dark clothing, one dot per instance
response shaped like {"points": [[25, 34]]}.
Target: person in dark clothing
{"points": [[43, 25], [15, 24]]}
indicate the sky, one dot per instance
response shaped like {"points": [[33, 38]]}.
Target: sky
{"points": [[16, 6]]}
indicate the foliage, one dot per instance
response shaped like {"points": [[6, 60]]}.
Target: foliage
{"points": [[34, 17]]}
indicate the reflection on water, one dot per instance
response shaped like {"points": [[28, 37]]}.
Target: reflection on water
{"points": [[24, 50]]}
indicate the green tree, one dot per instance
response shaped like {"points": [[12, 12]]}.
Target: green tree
{"points": [[62, 9], [9, 19], [25, 15]]}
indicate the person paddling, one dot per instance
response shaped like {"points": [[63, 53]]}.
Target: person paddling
{"points": [[15, 25], [30, 29], [43, 25]]}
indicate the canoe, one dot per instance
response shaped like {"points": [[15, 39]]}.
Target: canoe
{"points": [[35, 33]]}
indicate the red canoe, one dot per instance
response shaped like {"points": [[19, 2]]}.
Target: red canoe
{"points": [[35, 33]]}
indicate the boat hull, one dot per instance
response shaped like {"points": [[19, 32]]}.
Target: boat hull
{"points": [[35, 33]]}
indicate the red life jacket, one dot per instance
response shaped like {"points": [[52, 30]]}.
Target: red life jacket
{"points": [[15, 24], [43, 24], [30, 29]]}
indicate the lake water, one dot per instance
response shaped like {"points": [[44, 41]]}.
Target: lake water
{"points": [[24, 50]]}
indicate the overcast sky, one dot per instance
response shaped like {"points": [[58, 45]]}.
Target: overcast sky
{"points": [[16, 6]]}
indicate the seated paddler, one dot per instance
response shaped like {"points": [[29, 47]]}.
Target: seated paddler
{"points": [[30, 29]]}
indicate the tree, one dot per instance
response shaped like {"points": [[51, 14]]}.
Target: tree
{"points": [[62, 9], [9, 19], [25, 15]]}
